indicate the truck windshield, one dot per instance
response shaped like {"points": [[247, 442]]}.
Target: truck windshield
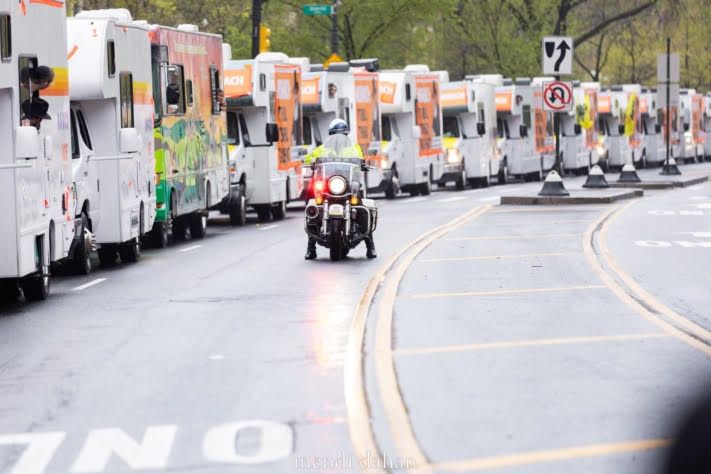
{"points": [[451, 127]]}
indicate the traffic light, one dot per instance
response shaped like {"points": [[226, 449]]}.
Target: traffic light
{"points": [[264, 41]]}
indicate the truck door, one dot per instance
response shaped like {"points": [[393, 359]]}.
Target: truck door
{"points": [[87, 178]]}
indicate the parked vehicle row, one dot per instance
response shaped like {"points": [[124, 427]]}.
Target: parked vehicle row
{"points": [[124, 134]]}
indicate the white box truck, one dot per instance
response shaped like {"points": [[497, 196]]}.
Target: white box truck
{"points": [[264, 128], [37, 227], [469, 131], [412, 127], [612, 107], [575, 153], [691, 103], [523, 131], [653, 149], [112, 133], [707, 126]]}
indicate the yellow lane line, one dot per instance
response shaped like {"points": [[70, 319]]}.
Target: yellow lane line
{"points": [[357, 407], [641, 296], [535, 457], [527, 343], [394, 407], [517, 291], [514, 237], [550, 209], [497, 257]]}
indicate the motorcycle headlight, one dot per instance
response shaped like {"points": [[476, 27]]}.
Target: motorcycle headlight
{"points": [[337, 185], [454, 156]]}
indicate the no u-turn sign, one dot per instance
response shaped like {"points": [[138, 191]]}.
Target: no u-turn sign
{"points": [[558, 96]]}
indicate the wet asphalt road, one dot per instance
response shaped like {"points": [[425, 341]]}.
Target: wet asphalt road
{"points": [[508, 344]]}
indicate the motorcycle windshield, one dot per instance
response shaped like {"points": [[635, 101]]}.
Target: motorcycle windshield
{"points": [[338, 146]]}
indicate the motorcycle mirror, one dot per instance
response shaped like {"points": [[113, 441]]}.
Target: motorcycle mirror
{"points": [[372, 152], [303, 152]]}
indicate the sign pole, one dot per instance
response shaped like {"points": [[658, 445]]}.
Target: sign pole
{"points": [[556, 127], [334, 28], [668, 127], [256, 22]]}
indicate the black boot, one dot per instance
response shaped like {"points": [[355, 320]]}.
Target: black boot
{"points": [[311, 249], [370, 246]]}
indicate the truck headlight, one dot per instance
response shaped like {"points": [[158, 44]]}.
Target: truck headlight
{"points": [[454, 156]]}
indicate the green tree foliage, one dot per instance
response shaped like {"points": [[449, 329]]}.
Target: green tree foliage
{"points": [[616, 42]]}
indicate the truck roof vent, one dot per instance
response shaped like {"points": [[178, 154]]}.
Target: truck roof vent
{"points": [[576, 83], [522, 81], [417, 68], [118, 14], [508, 82], [316, 68], [370, 65], [616, 88], [339, 67], [188, 27]]}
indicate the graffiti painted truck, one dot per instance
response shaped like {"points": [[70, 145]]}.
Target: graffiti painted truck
{"points": [[654, 149], [37, 227], [190, 132], [578, 135], [692, 149], [411, 127], [707, 126], [263, 122], [112, 133], [612, 106], [522, 131], [469, 129]]}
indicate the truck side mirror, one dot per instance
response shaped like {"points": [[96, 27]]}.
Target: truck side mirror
{"points": [[480, 129], [272, 132], [27, 143], [128, 141], [657, 128], [302, 152], [621, 129], [48, 147], [416, 132], [578, 129], [686, 127], [523, 131]]}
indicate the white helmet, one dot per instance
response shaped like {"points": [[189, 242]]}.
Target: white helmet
{"points": [[338, 126]]}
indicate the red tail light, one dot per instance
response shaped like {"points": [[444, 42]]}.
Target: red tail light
{"points": [[319, 186]]}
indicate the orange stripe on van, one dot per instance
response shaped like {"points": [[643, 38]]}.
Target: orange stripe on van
{"points": [[72, 52], [504, 100], [49, 3], [60, 86]]}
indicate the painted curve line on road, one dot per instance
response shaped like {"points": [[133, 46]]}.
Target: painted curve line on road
{"points": [[89, 285], [631, 293], [188, 249], [357, 407]]}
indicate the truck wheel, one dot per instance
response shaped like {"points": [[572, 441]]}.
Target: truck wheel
{"points": [[279, 211], [36, 287], [503, 174], [159, 235], [461, 183], [9, 291], [130, 252], [198, 225], [82, 255], [107, 255], [264, 213], [426, 188], [238, 210], [178, 228]]}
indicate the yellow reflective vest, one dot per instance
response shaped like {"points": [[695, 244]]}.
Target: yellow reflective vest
{"points": [[352, 151]]}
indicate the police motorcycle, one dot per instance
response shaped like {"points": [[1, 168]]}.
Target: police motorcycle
{"points": [[339, 216]]}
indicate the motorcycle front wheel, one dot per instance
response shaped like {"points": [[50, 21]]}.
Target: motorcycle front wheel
{"points": [[335, 244]]}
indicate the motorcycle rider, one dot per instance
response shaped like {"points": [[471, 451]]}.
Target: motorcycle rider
{"points": [[337, 126]]}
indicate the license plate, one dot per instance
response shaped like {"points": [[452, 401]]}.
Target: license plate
{"points": [[335, 210]]}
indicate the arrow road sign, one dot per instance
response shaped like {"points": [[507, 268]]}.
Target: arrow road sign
{"points": [[558, 96], [557, 55]]}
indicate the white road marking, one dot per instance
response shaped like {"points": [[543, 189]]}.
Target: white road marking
{"points": [[188, 249], [151, 453], [275, 442], [216, 357], [268, 227], [489, 199], [452, 199], [90, 284], [698, 235], [39, 451], [678, 243]]}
